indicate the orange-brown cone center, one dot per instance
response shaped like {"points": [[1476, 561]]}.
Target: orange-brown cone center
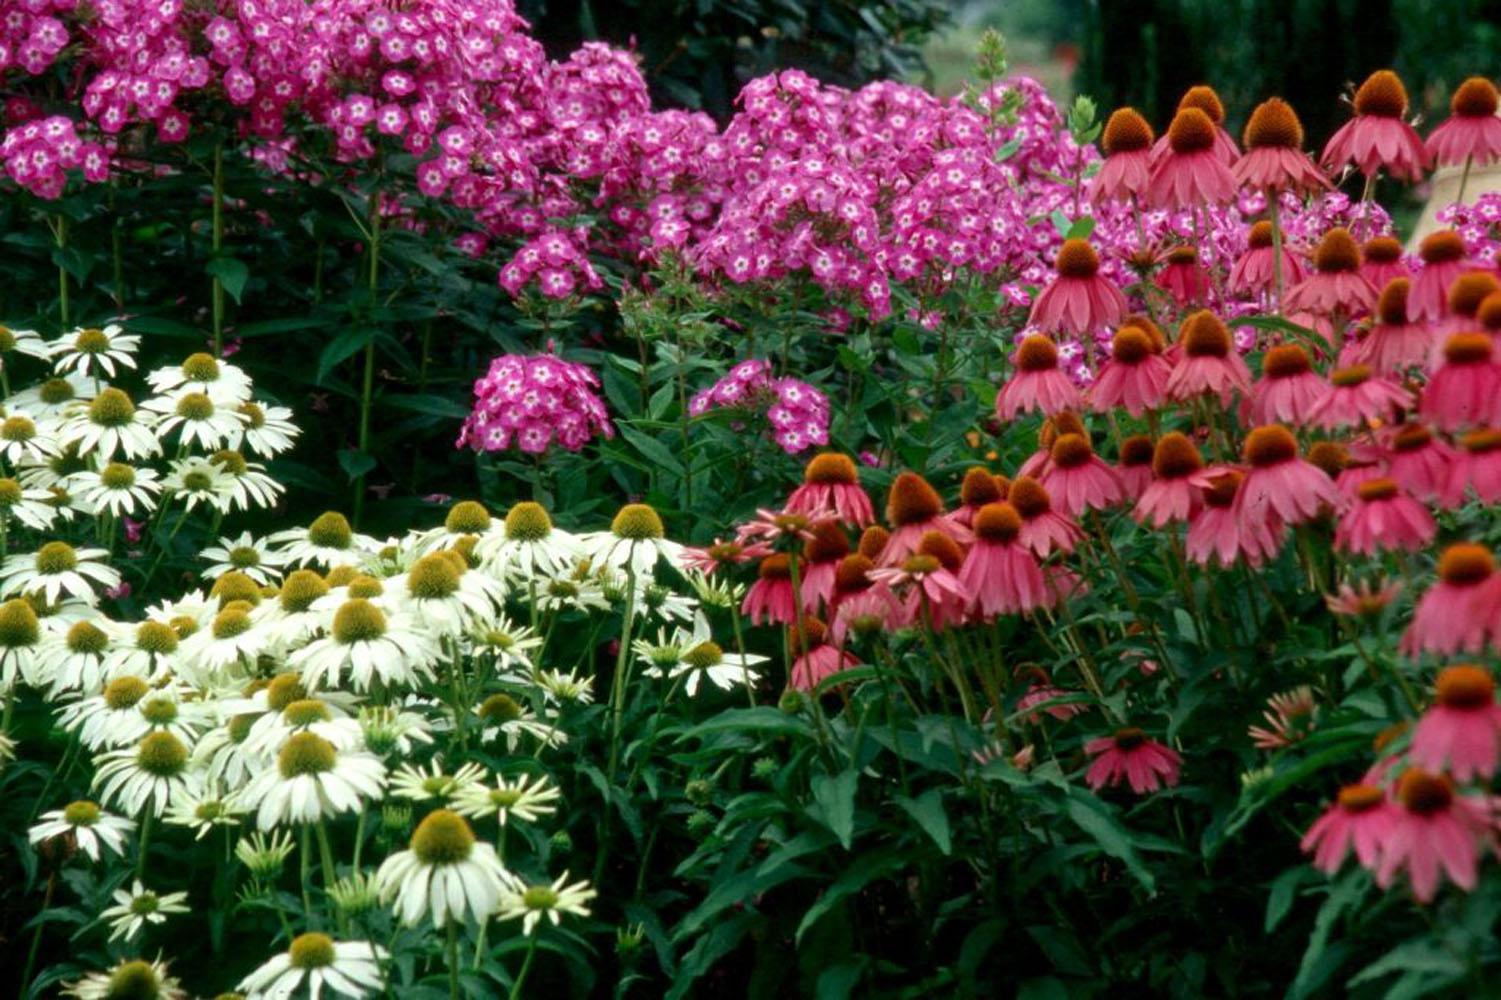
{"points": [[998, 522], [1466, 686], [1130, 345], [979, 488], [1261, 235], [1205, 335], [1204, 99], [873, 541], [1285, 361], [1037, 353], [777, 566], [1475, 98], [1029, 497], [1136, 450], [937, 545], [1221, 491], [1382, 250], [1424, 793], [1465, 564], [1077, 259], [1337, 252], [1441, 247], [852, 574], [1175, 457], [1191, 131], [1126, 131], [1382, 95], [1488, 314], [1481, 441], [1469, 290], [1270, 445], [1392, 306], [831, 468], [1274, 125], [1351, 375], [1411, 437], [1360, 798], [1468, 348], [1330, 457], [912, 501], [827, 544], [1380, 488], [1069, 452]]}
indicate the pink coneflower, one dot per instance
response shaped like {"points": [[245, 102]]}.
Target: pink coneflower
{"points": [[1289, 719], [860, 604], [1256, 270], [1126, 170], [722, 554], [1378, 137], [1357, 398], [1044, 530], [1040, 693], [1362, 816], [1367, 599], [831, 481], [1457, 611], [928, 581], [1395, 343], [770, 598], [1356, 470], [1172, 494], [1001, 576], [1381, 261], [1274, 160], [1203, 98], [821, 556], [1135, 465], [1183, 277], [780, 528], [914, 508], [1382, 518], [979, 487], [1472, 132], [1078, 480], [1418, 460], [1037, 463], [1462, 730], [1434, 829], [1216, 533], [1134, 378], [1279, 482], [815, 660], [1209, 363], [1336, 285], [1288, 389], [1462, 392], [1037, 383], [1130, 755], [1189, 173], [1079, 300], [1476, 467], [1444, 260]]}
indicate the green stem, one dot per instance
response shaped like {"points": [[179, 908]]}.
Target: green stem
{"points": [[218, 245], [367, 385], [36, 936], [617, 712], [453, 959], [60, 236], [1464, 180], [526, 966], [306, 869], [144, 844], [1274, 209]]}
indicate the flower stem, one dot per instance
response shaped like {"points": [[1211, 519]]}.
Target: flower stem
{"points": [[367, 384], [617, 712], [144, 845], [217, 245], [36, 936], [1464, 180], [60, 237], [453, 959], [526, 966], [1274, 210]]}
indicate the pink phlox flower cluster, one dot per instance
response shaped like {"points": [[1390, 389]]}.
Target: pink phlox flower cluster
{"points": [[555, 261], [31, 37], [798, 413], [39, 154], [532, 401], [1478, 225]]}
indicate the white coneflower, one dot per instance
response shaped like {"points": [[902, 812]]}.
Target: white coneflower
{"points": [[388, 729], [20, 640], [557, 685], [229, 640], [197, 481], [574, 592], [534, 902], [265, 855], [313, 779], [662, 652], [110, 424], [445, 873], [73, 660], [715, 591], [328, 542], [296, 615], [422, 785], [23, 442], [527, 798], [312, 715], [27, 505], [441, 593], [249, 485], [118, 488], [502, 715], [90, 827], [204, 807], [57, 569], [268, 430], [636, 541], [467, 519], [368, 644], [127, 709], [134, 978], [52, 398], [221, 381], [23, 342], [195, 418], [138, 906], [148, 649], [146, 776], [528, 546], [221, 754], [347, 968], [89, 350], [662, 602], [702, 658], [246, 553], [507, 645]]}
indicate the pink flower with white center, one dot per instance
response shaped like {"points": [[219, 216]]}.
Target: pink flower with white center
{"points": [[1129, 755], [534, 401]]}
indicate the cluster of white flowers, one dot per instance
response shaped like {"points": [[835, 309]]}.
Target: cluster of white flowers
{"points": [[83, 442], [321, 674]]}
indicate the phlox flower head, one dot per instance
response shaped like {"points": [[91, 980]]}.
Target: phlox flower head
{"points": [[531, 402]]}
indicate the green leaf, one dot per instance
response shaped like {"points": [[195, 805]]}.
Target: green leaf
{"points": [[763, 719], [834, 803], [1081, 229], [1284, 891], [428, 405], [1096, 819], [343, 347], [653, 450], [1061, 222], [232, 275], [355, 462], [1318, 961], [854, 878], [838, 981], [1420, 956], [927, 809]]}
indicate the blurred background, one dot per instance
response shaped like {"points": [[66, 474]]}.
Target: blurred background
{"points": [[697, 53]]}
